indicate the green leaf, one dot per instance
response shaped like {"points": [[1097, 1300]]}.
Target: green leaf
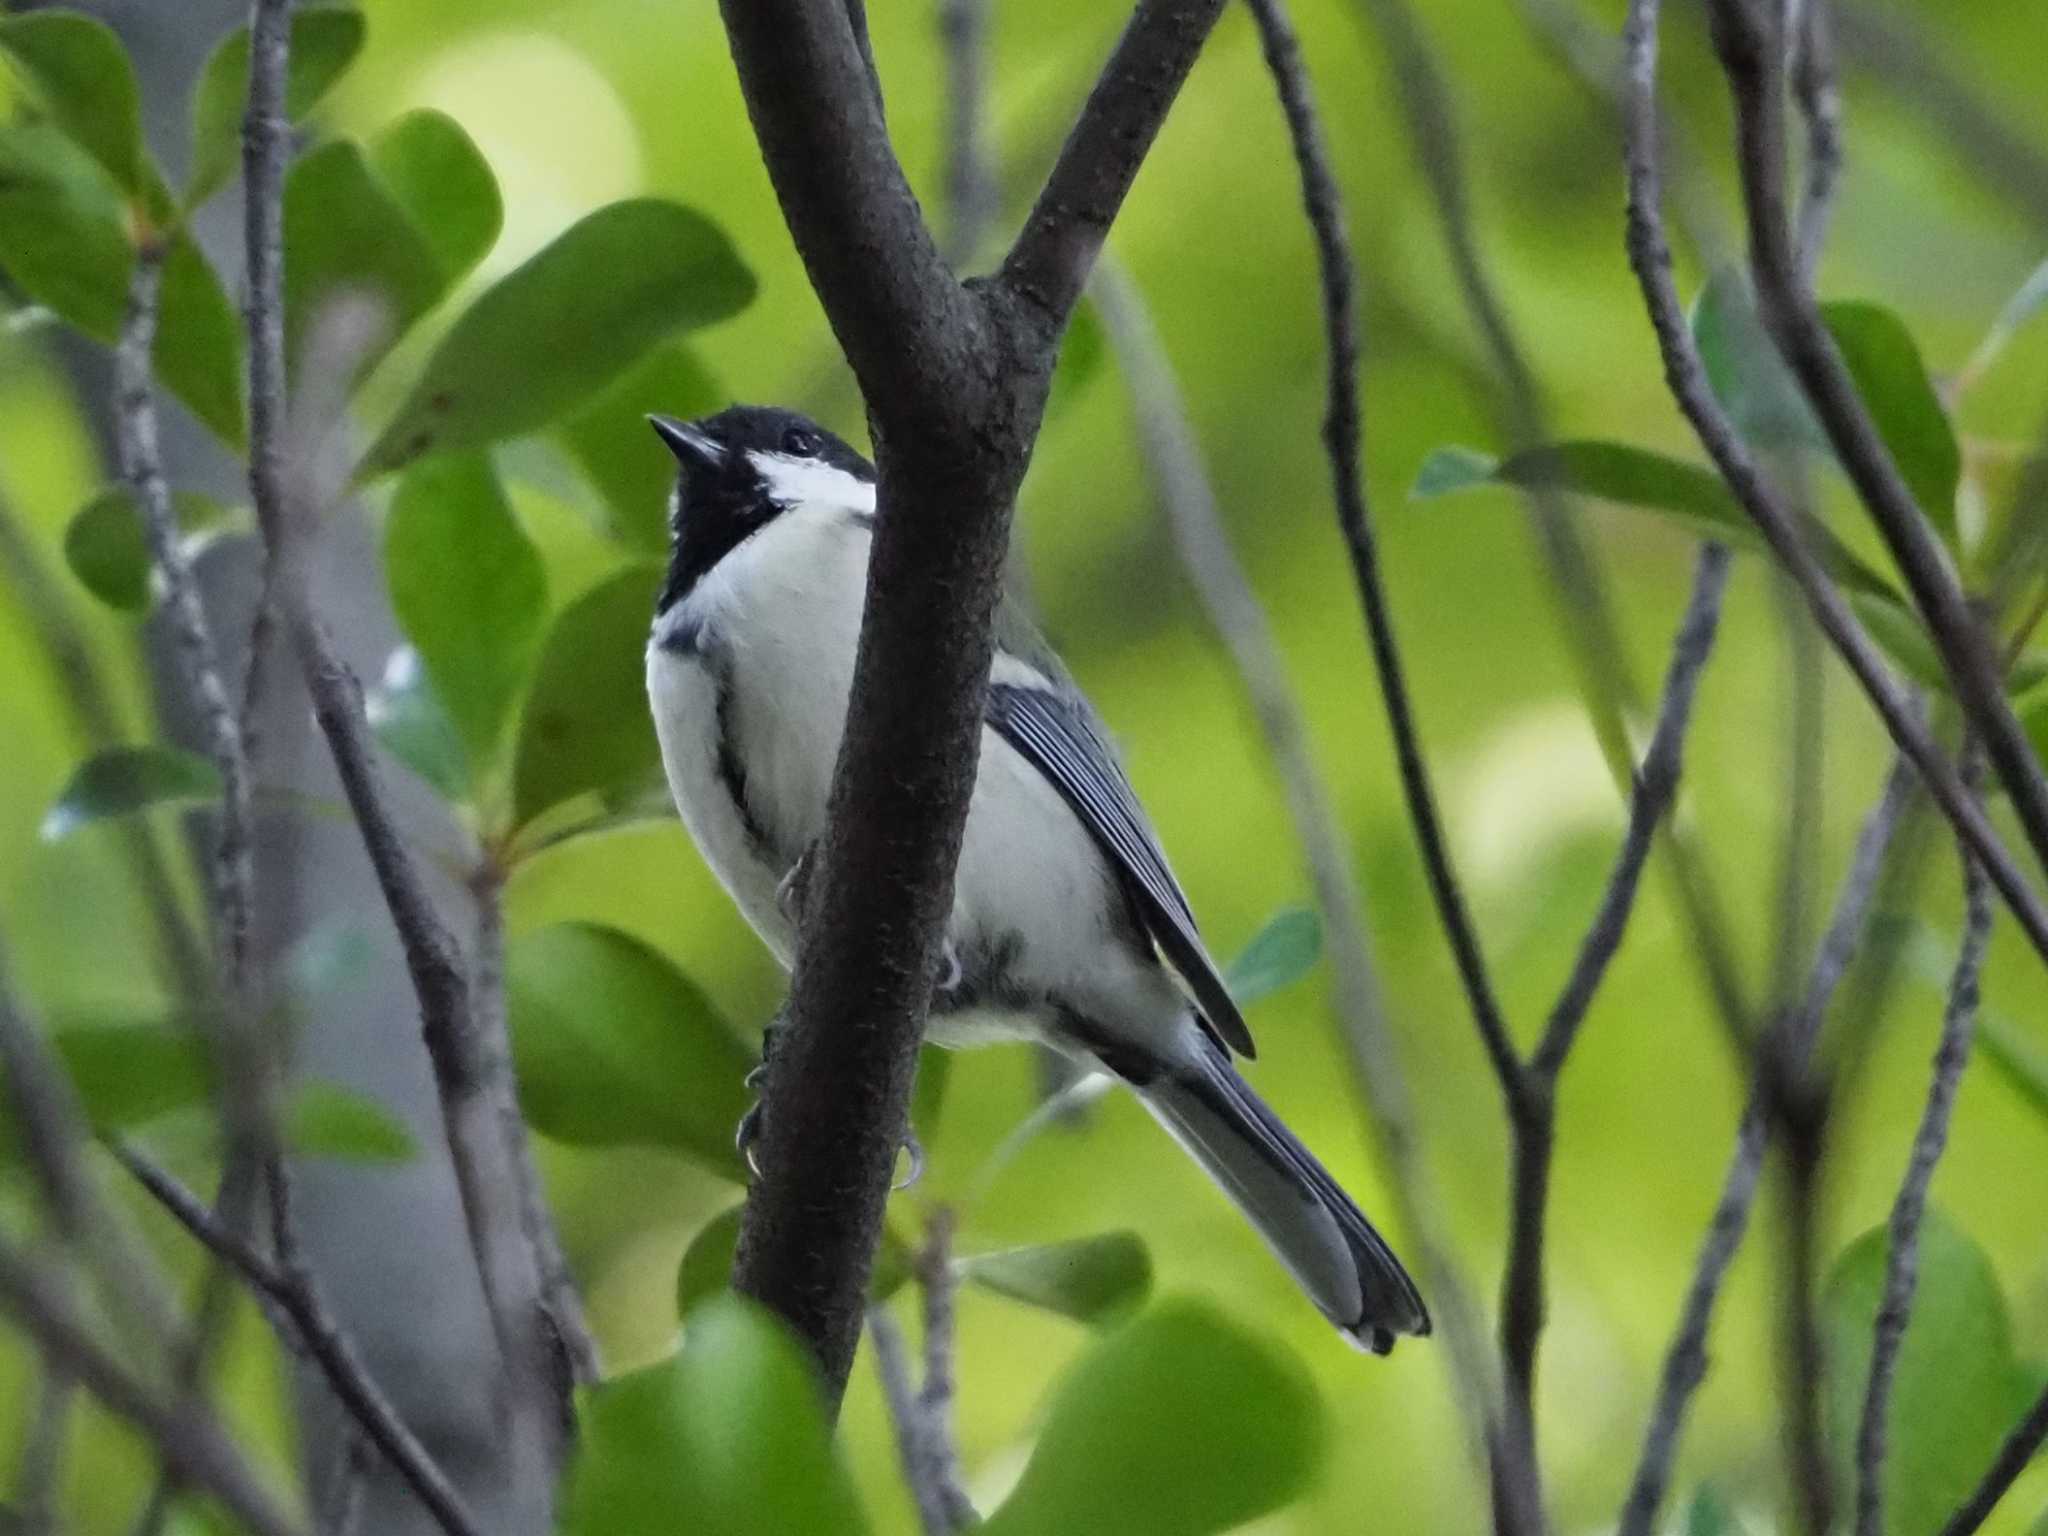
{"points": [[124, 1073], [624, 462], [548, 336], [1635, 477], [586, 726], [1241, 1435], [1744, 369], [328, 1120], [324, 42], [345, 234], [2022, 1062], [198, 348], [440, 178], [406, 715], [469, 591], [106, 550], [1711, 1516], [1884, 360], [63, 229], [1279, 955], [616, 1047], [1093, 1280], [81, 76], [731, 1432], [124, 780], [1959, 1385]]}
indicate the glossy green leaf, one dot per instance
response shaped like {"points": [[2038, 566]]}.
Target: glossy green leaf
{"points": [[325, 40], [586, 726], [1093, 1280], [1634, 477], [106, 550], [706, 1270], [1279, 955], [625, 463], [1959, 1386], [616, 1047], [345, 236], [1239, 1435], [82, 78], [1744, 369], [469, 591], [1709, 1515], [330, 1121], [408, 719], [1885, 362], [63, 229], [124, 1073], [198, 350], [548, 336], [435, 172], [124, 780], [732, 1431]]}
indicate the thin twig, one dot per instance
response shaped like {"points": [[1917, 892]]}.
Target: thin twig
{"points": [[1579, 583], [485, 1176], [1341, 437], [1650, 256], [1819, 96], [185, 1433], [923, 1414], [2021, 1446], [1188, 501], [970, 181], [1753, 61], [1901, 1275], [1685, 1361], [292, 1289], [41, 1468]]}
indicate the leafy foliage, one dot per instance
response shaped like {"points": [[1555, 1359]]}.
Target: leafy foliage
{"points": [[325, 40], [1279, 955], [106, 550], [1093, 1280], [124, 780]]}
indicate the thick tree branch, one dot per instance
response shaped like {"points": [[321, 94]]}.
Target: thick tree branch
{"points": [[1650, 255], [954, 380], [1902, 1256], [1752, 57], [291, 1289]]}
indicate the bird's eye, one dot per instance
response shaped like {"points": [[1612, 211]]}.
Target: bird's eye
{"points": [[801, 441]]}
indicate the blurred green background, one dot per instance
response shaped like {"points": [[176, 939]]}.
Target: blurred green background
{"points": [[578, 103]]}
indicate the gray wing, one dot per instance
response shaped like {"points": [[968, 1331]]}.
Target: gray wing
{"points": [[1060, 738]]}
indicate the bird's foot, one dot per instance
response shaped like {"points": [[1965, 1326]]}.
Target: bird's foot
{"points": [[950, 971], [913, 1152], [747, 1134], [794, 888]]}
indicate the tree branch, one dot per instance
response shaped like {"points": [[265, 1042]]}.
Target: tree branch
{"points": [[971, 193], [1685, 1362], [2020, 1448], [186, 1434], [1753, 60], [488, 1181], [1650, 256], [1820, 104], [954, 379], [291, 1289], [923, 1414], [1902, 1253]]}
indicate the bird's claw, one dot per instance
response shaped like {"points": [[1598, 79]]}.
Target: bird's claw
{"points": [[950, 970], [791, 889], [913, 1149], [747, 1134]]}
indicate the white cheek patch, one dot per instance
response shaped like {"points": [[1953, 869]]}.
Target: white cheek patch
{"points": [[798, 482]]}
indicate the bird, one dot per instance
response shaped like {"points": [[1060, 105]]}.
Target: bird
{"points": [[1068, 927]]}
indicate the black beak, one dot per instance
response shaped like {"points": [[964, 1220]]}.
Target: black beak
{"points": [[693, 447]]}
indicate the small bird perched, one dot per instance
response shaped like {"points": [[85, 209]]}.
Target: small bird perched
{"points": [[1068, 928]]}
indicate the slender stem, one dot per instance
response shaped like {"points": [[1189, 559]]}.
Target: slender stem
{"points": [[291, 1288], [971, 194], [1819, 96], [923, 1414], [1902, 1257], [2021, 1446]]}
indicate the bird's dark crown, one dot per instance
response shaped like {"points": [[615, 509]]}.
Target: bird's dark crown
{"points": [[721, 495]]}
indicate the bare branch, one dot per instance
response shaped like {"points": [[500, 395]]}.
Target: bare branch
{"points": [[1753, 60], [1820, 104], [2020, 1448], [1902, 1256], [954, 379], [41, 1468], [186, 1434], [1685, 1362], [1341, 436], [1576, 577], [1188, 501], [971, 192], [291, 1288], [1650, 255]]}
